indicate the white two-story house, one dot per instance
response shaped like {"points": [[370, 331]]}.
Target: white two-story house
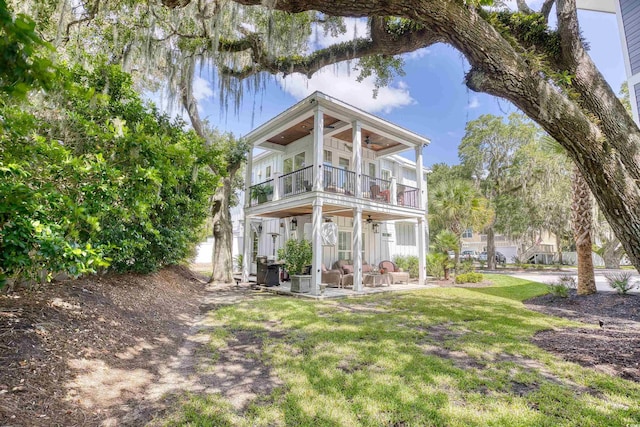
{"points": [[330, 173]]}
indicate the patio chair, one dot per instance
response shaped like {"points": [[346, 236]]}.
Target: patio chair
{"points": [[332, 278], [377, 194], [396, 274]]}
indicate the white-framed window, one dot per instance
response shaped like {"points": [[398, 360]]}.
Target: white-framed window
{"points": [[405, 233], [468, 234], [385, 174], [345, 245], [327, 157], [409, 174]]}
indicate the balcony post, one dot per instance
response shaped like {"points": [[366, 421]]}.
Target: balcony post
{"points": [[357, 249], [393, 191], [356, 138], [316, 244], [276, 186], [247, 179], [246, 249], [422, 251], [420, 178], [318, 146]]}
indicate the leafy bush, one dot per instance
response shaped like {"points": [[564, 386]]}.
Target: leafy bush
{"points": [[465, 266], [94, 177], [297, 255], [469, 278], [435, 264], [407, 263], [620, 282], [558, 289]]}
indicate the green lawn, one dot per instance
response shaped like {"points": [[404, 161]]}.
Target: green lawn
{"points": [[446, 357]]}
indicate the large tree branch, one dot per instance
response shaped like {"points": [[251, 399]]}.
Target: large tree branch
{"points": [[596, 94]]}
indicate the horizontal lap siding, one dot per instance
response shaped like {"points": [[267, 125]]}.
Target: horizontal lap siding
{"points": [[631, 18]]}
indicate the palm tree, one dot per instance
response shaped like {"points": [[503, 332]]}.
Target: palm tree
{"points": [[457, 206], [582, 224]]}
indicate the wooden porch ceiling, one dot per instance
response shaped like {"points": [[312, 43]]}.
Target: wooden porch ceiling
{"points": [[333, 210], [370, 140]]}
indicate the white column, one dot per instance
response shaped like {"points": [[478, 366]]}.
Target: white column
{"points": [[247, 249], [318, 146], [393, 191], [356, 158], [422, 253], [276, 186], [316, 262], [357, 249], [247, 180], [420, 178]]}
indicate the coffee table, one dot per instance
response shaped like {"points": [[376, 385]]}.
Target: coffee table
{"points": [[374, 280]]}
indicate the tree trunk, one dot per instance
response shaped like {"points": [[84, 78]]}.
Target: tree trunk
{"points": [[611, 254], [491, 248], [559, 247], [222, 260], [582, 224]]}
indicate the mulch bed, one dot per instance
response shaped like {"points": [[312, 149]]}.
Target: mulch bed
{"points": [[81, 352], [612, 347]]}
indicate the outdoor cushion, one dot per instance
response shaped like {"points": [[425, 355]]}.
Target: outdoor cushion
{"points": [[347, 269]]}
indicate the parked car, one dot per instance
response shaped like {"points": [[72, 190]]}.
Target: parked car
{"points": [[500, 258], [469, 255]]}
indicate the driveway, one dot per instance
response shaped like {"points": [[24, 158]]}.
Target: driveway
{"points": [[601, 280]]}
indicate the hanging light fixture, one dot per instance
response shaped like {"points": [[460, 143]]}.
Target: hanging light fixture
{"points": [[259, 229], [294, 224], [375, 227]]}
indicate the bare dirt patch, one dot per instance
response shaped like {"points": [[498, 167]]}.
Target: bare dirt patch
{"points": [[111, 350], [613, 348]]}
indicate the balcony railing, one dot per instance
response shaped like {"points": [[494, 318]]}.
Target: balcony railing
{"points": [[296, 182], [376, 189], [261, 193], [338, 180], [407, 196], [335, 180]]}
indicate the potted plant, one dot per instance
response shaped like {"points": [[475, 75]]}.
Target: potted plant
{"points": [[297, 255], [261, 192]]}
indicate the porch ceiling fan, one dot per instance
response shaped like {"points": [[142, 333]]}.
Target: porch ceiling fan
{"points": [[369, 219], [369, 143]]}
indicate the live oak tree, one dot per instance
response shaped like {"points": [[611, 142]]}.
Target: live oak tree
{"points": [[545, 72]]}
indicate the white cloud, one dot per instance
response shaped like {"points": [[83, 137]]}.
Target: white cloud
{"points": [[201, 88], [339, 82], [474, 102], [417, 54]]}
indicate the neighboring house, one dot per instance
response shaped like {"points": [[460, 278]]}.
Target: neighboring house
{"points": [[628, 14], [542, 251], [329, 172]]}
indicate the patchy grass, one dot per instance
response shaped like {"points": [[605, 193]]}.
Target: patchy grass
{"points": [[438, 357]]}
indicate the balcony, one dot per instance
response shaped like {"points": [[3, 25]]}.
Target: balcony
{"points": [[335, 181]]}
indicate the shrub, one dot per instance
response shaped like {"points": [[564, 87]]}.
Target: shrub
{"points": [[562, 286], [620, 282], [407, 263], [465, 266], [469, 278], [297, 255], [435, 264], [558, 289]]}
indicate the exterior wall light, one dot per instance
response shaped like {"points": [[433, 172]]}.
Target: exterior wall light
{"points": [[294, 224]]}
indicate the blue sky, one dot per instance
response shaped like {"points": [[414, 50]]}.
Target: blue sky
{"points": [[430, 99]]}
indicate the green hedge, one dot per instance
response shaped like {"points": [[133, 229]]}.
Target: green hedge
{"points": [[469, 278], [92, 177]]}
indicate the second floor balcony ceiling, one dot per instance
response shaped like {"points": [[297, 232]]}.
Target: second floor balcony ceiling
{"points": [[377, 135]]}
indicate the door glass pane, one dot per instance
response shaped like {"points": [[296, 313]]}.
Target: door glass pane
{"points": [[288, 180], [385, 174], [328, 157], [342, 175], [298, 161], [372, 170]]}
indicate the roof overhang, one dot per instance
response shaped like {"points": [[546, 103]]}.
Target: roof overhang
{"points": [[378, 135]]}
